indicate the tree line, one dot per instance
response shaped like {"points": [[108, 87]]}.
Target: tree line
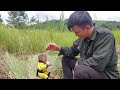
{"points": [[20, 20]]}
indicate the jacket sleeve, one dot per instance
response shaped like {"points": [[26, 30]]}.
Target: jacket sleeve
{"points": [[103, 50], [70, 51]]}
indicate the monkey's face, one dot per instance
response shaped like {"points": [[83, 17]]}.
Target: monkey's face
{"points": [[43, 59]]}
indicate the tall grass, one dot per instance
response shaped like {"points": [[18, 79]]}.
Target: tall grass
{"points": [[20, 69], [26, 69], [31, 41], [117, 35], [34, 41]]}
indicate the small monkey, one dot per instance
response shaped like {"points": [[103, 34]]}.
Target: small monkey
{"points": [[43, 64]]}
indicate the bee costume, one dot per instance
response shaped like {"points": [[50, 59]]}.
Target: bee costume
{"points": [[42, 71]]}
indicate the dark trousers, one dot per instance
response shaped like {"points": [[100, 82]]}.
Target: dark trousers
{"points": [[80, 71]]}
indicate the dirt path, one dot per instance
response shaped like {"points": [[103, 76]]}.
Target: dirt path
{"points": [[2, 67]]}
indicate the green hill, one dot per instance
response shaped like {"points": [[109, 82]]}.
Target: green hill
{"points": [[58, 23]]}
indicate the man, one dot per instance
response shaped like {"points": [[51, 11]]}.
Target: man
{"points": [[96, 46]]}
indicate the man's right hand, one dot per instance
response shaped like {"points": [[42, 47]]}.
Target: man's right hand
{"points": [[52, 47]]}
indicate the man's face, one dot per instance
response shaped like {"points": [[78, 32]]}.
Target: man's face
{"points": [[80, 32]]}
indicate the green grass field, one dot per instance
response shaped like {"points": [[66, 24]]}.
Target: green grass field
{"points": [[28, 44], [117, 36], [31, 41]]}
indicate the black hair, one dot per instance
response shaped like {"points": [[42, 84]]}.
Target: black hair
{"points": [[81, 18]]}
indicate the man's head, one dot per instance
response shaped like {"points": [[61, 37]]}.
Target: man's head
{"points": [[42, 58], [80, 22]]}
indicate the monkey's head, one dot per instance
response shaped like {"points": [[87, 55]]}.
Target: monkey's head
{"points": [[42, 58]]}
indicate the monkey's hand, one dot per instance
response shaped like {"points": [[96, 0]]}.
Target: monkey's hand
{"points": [[48, 63]]}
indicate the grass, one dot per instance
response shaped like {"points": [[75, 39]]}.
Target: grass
{"points": [[20, 69], [26, 69], [31, 41], [117, 36]]}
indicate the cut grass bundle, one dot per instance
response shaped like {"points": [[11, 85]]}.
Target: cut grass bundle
{"points": [[26, 69]]}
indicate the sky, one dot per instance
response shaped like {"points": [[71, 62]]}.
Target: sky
{"points": [[96, 15]]}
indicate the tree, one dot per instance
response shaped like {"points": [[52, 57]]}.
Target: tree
{"points": [[33, 20], [38, 22], [118, 26], [1, 19], [62, 22], [104, 25], [17, 18]]}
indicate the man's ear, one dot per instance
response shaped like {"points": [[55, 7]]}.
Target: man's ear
{"points": [[88, 27]]}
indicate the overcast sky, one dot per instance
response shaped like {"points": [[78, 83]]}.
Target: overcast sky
{"points": [[96, 15]]}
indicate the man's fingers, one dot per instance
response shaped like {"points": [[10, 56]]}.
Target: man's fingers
{"points": [[50, 46], [47, 46]]}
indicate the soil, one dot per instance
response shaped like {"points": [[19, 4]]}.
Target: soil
{"points": [[118, 50], [3, 70]]}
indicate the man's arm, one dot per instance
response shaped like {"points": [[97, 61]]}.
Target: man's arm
{"points": [[103, 51], [70, 51]]}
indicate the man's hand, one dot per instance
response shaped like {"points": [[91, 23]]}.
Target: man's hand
{"points": [[52, 47]]}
